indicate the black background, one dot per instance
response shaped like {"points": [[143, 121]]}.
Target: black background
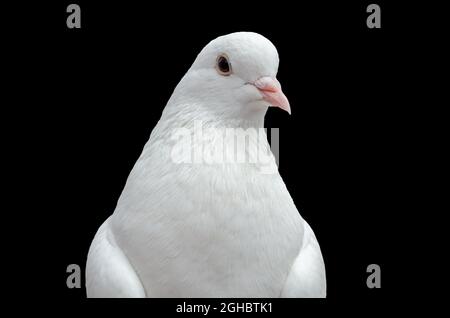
{"points": [[94, 95]]}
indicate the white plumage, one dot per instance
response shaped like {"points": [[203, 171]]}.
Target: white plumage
{"points": [[226, 229]]}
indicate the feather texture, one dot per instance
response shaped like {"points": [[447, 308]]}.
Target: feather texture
{"points": [[208, 229]]}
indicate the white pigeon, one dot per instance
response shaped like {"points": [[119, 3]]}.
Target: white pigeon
{"points": [[209, 229]]}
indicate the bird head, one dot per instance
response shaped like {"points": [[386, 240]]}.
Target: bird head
{"points": [[234, 76]]}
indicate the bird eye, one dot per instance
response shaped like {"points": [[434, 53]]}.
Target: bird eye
{"points": [[223, 66]]}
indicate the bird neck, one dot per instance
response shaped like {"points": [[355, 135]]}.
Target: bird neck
{"points": [[209, 116]]}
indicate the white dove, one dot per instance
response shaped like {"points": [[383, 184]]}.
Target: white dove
{"points": [[202, 229]]}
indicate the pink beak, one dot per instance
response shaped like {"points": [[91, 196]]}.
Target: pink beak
{"points": [[271, 91]]}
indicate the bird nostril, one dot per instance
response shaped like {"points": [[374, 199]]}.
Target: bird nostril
{"points": [[270, 89], [267, 84]]}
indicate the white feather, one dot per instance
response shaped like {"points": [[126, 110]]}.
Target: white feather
{"points": [[208, 230]]}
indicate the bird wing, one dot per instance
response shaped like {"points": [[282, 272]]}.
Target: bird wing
{"points": [[307, 274], [109, 274]]}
